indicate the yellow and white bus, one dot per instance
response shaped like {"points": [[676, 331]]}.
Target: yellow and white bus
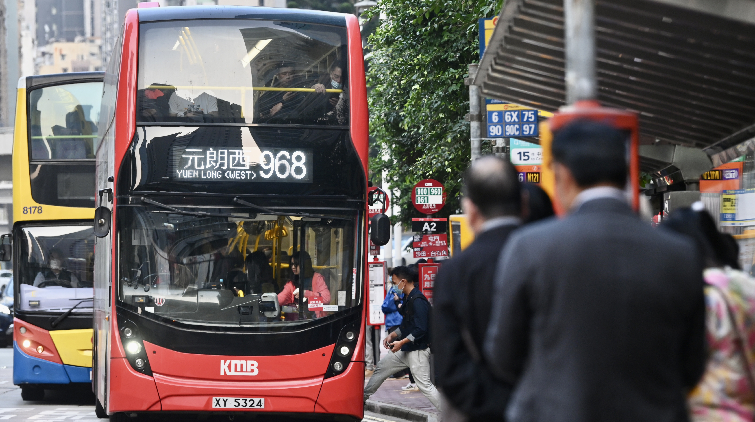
{"points": [[52, 239]]}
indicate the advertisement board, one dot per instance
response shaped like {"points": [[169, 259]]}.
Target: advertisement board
{"points": [[376, 294], [427, 273]]}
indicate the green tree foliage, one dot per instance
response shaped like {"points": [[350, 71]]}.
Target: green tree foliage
{"points": [[341, 6], [418, 100]]}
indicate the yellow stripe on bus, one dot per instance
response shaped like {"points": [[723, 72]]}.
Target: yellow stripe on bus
{"points": [[74, 346]]}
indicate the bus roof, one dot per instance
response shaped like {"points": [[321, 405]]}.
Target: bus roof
{"points": [[30, 82], [240, 12]]}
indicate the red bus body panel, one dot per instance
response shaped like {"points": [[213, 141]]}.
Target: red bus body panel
{"points": [[304, 366], [37, 337], [185, 394], [343, 394], [135, 391], [360, 127]]}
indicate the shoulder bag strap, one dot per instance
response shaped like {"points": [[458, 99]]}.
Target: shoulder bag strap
{"points": [[739, 339]]}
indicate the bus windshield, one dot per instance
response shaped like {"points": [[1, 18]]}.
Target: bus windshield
{"points": [[62, 130], [242, 71], [62, 121], [55, 267], [233, 267]]}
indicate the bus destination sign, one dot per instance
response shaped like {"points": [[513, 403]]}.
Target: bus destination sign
{"points": [[243, 165]]}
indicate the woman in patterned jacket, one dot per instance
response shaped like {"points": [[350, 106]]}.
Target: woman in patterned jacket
{"points": [[726, 392]]}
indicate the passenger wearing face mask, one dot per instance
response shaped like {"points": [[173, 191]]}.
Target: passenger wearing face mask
{"points": [[55, 275], [324, 106]]}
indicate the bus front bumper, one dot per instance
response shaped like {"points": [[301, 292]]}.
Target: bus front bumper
{"points": [[31, 370]]}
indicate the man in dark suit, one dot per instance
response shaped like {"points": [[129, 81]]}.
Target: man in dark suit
{"points": [[597, 316], [492, 203]]}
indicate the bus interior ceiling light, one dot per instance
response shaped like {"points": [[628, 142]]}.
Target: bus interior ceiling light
{"points": [[257, 49]]}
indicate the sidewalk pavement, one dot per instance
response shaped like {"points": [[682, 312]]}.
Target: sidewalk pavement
{"points": [[390, 400]]}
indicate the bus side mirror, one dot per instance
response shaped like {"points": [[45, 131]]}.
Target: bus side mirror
{"points": [[102, 218], [380, 229], [6, 250]]}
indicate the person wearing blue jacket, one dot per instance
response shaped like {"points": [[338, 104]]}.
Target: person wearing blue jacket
{"points": [[391, 304]]}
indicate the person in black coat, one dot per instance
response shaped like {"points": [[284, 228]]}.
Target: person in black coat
{"points": [[596, 316], [492, 203]]}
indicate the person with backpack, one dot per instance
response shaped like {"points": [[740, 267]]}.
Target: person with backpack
{"points": [[410, 342], [393, 318]]}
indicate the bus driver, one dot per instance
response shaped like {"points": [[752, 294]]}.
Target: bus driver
{"points": [[55, 275]]}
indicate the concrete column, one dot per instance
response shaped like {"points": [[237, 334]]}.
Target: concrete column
{"points": [[579, 34], [397, 234], [474, 114]]}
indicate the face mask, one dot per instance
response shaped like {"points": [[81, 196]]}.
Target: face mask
{"points": [[55, 264], [335, 84]]}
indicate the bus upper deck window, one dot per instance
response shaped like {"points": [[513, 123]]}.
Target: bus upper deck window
{"points": [[266, 72]]}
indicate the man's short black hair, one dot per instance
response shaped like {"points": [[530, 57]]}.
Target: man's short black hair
{"points": [[492, 184], [593, 152], [409, 274]]}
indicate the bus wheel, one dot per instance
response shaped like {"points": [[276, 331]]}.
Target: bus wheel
{"points": [[32, 393], [98, 410]]}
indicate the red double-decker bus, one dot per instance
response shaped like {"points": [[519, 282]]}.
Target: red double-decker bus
{"points": [[231, 250]]}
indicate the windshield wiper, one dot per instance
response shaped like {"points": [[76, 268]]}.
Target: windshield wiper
{"points": [[285, 214], [65, 315], [267, 210], [176, 210]]}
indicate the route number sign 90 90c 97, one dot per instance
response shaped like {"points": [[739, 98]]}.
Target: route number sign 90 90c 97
{"points": [[510, 123]]}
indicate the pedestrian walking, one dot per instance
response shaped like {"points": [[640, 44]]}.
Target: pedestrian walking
{"points": [[410, 342], [492, 203], [726, 392], [391, 304], [597, 316]]}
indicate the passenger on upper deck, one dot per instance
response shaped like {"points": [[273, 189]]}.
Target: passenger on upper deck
{"points": [[304, 277], [279, 105], [55, 275], [329, 107], [153, 102]]}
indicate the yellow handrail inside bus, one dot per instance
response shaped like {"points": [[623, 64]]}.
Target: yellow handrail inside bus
{"points": [[243, 88], [63, 136]]}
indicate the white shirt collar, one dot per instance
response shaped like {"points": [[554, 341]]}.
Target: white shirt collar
{"points": [[598, 193], [500, 221]]}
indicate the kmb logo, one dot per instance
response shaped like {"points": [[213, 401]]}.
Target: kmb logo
{"points": [[238, 367]]}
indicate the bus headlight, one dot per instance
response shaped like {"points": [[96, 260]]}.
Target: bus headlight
{"points": [[4, 310], [26, 343], [136, 352], [343, 351], [133, 347]]}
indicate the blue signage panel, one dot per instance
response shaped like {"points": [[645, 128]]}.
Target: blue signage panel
{"points": [[503, 123]]}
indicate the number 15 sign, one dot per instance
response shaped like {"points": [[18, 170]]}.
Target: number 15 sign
{"points": [[509, 123]]}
